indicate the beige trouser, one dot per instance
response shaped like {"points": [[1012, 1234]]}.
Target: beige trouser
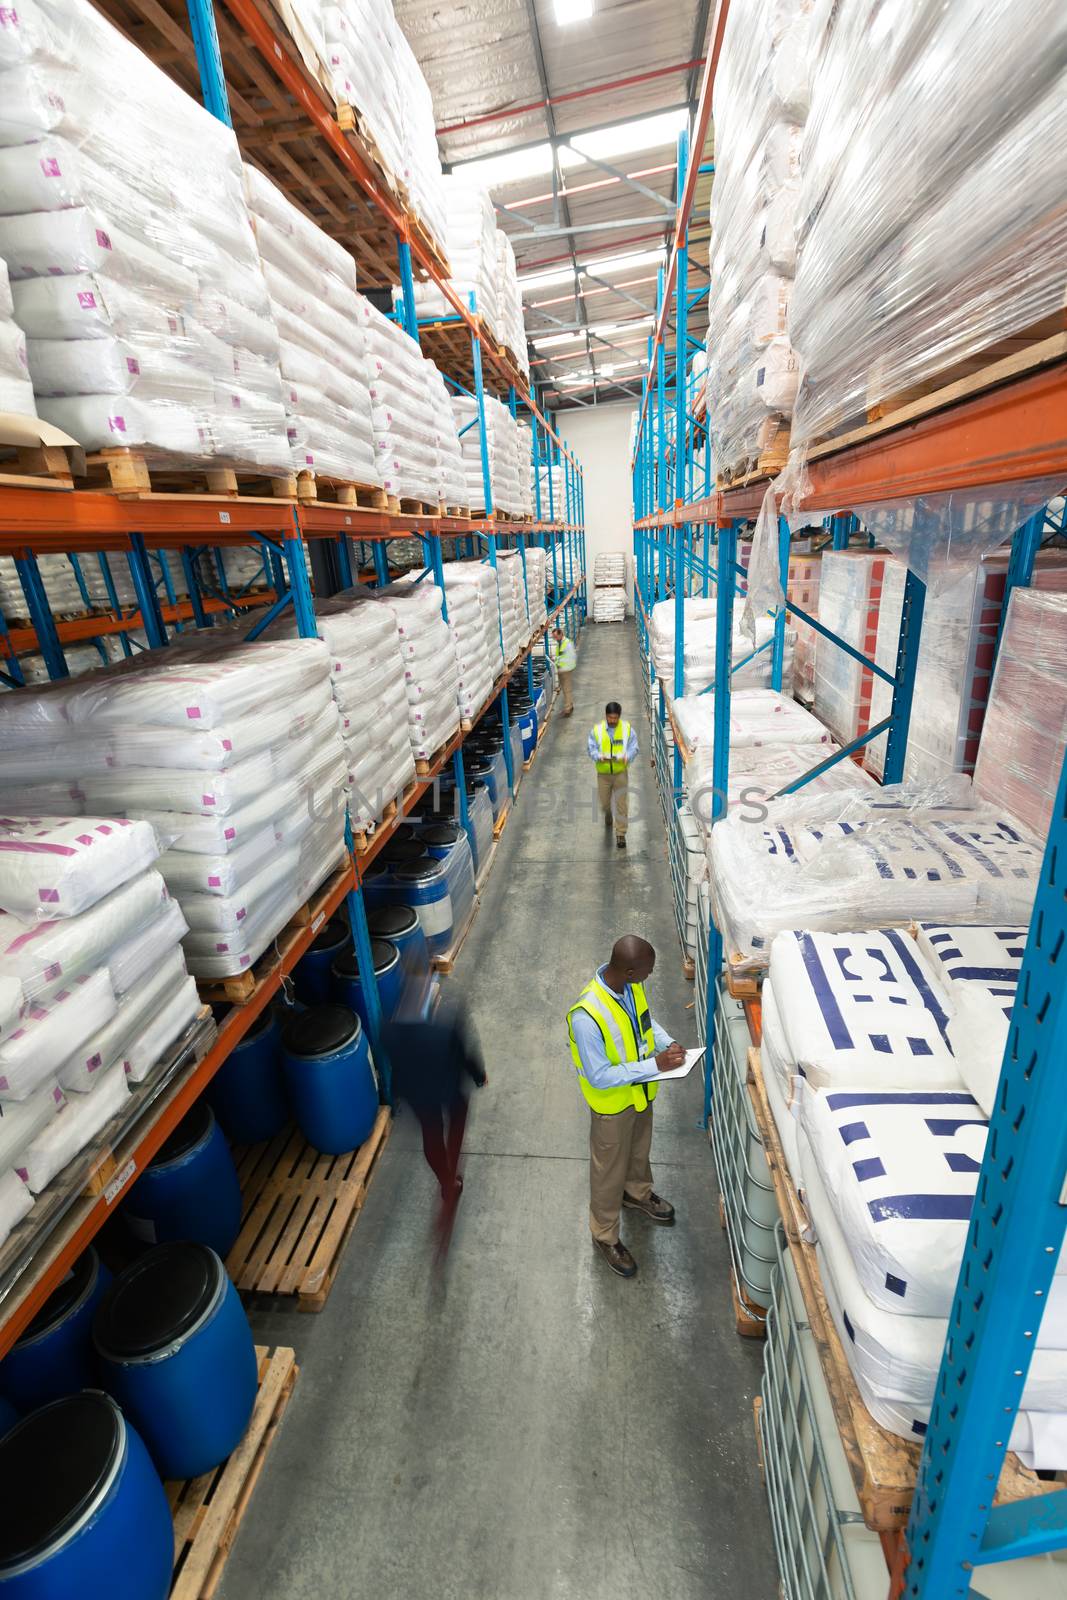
{"points": [[618, 1161], [566, 691], [617, 784]]}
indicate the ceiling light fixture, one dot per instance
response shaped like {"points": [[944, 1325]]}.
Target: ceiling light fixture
{"points": [[573, 11]]}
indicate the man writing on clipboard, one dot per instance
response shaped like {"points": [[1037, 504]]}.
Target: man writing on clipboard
{"points": [[617, 1047]]}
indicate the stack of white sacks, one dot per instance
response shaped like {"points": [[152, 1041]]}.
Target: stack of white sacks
{"points": [[451, 475], [406, 433], [481, 579], [93, 988], [137, 282], [773, 742], [468, 625], [536, 579], [514, 622], [553, 492], [880, 1081], [370, 693], [838, 858], [751, 670], [16, 390], [429, 657], [916, 246], [470, 245], [365, 62], [609, 586], [504, 448], [511, 325], [609, 569], [761, 102], [232, 751], [311, 281]]}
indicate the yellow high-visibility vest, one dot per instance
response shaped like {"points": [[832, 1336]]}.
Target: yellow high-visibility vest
{"points": [[564, 654], [612, 742], [621, 1044]]}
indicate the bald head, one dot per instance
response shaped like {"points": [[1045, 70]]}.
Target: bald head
{"points": [[632, 961]]}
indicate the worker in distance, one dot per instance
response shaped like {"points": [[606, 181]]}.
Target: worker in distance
{"points": [[617, 1046], [612, 749], [565, 657]]}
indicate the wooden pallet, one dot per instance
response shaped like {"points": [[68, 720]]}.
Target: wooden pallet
{"points": [[424, 765], [689, 967], [750, 1320], [239, 989], [46, 466], [766, 462], [363, 838], [411, 507], [883, 1466], [456, 511], [208, 1511], [741, 985], [141, 474], [445, 962], [757, 1423], [313, 488], [502, 821], [300, 1209]]}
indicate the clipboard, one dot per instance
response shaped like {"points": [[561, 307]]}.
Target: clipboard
{"points": [[691, 1059]]}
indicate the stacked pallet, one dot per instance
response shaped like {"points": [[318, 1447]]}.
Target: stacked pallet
{"points": [[407, 433], [609, 586], [508, 487], [138, 285]]}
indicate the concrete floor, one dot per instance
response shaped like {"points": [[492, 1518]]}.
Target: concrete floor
{"points": [[528, 1426]]}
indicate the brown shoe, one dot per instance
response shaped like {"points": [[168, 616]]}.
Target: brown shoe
{"points": [[655, 1208], [620, 841], [618, 1258]]}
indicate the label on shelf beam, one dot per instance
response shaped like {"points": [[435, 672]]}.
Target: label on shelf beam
{"points": [[119, 1182]]}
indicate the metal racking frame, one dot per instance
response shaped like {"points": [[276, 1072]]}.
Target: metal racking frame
{"points": [[1004, 426], [38, 521]]}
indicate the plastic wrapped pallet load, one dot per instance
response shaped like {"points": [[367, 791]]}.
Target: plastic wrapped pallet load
{"points": [[979, 968], [468, 624], [451, 474], [470, 244], [405, 432], [480, 577], [429, 664], [927, 273], [851, 605], [225, 747], [514, 622], [834, 859], [751, 667], [422, 176], [536, 578], [104, 992], [760, 107], [609, 568], [501, 453], [16, 390], [138, 284], [1025, 726], [370, 693], [311, 281], [609, 605]]}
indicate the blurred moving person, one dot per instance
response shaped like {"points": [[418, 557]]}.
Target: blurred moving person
{"points": [[617, 1045], [434, 1062], [565, 656], [612, 747]]}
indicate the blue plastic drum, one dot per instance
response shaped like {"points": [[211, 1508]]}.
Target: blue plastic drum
{"points": [[441, 839], [176, 1351], [83, 1511], [424, 886], [399, 852], [377, 882], [483, 770], [401, 926], [190, 1190], [311, 975], [247, 1094], [54, 1357], [388, 974], [528, 733], [331, 1083]]}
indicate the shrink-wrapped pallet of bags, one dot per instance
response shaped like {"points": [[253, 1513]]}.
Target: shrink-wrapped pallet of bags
{"points": [[429, 664], [480, 577], [311, 282], [514, 621], [422, 175], [134, 271], [469, 623], [405, 430], [536, 577], [16, 390], [470, 245], [232, 751], [510, 324], [90, 949], [751, 668], [761, 103], [1025, 728], [451, 475], [888, 856], [931, 223], [850, 605], [369, 691]]}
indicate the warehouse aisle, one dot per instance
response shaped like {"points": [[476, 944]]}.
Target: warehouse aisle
{"points": [[531, 1426]]}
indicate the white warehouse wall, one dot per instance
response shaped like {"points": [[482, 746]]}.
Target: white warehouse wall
{"points": [[600, 438]]}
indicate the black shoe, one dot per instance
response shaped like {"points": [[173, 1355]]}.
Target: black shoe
{"points": [[655, 1208], [618, 1259], [620, 841]]}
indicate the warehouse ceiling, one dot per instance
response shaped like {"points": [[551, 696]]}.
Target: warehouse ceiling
{"points": [[569, 111]]}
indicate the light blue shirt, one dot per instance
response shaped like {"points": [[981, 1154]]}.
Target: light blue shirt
{"points": [[630, 752], [599, 1071]]}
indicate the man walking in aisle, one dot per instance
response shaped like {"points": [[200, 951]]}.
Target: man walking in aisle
{"points": [[612, 747], [617, 1045], [565, 657]]}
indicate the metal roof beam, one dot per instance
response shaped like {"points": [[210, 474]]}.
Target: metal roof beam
{"points": [[564, 138], [587, 227], [624, 177]]}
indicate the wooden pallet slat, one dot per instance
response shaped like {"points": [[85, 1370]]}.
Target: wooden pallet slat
{"points": [[239, 989], [208, 1510], [141, 474], [446, 961], [301, 1207]]}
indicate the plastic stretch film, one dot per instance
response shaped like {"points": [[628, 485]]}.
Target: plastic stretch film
{"points": [[134, 273], [932, 225]]}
